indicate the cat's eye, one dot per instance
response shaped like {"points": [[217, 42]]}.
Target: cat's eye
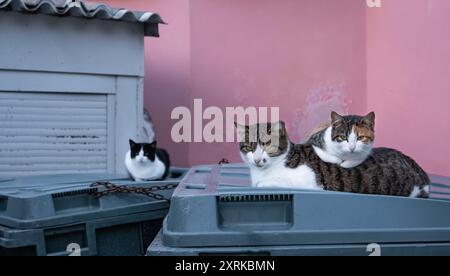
{"points": [[341, 138], [265, 144], [361, 138]]}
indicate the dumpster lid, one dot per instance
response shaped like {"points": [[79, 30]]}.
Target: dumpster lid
{"points": [[51, 200], [215, 206]]}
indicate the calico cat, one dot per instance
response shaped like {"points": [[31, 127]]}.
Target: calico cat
{"points": [[147, 162], [347, 141], [288, 165]]}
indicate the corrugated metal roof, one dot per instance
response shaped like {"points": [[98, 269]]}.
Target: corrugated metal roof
{"points": [[85, 10]]}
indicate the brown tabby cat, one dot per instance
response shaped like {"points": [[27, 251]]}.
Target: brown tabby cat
{"points": [[384, 172]]}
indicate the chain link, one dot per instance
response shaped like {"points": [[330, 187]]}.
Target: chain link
{"points": [[150, 192]]}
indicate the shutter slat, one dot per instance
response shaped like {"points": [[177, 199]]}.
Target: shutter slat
{"points": [[66, 146], [50, 110], [44, 133], [52, 97], [51, 172], [60, 125], [63, 133], [100, 139], [51, 118], [50, 103], [51, 153], [27, 161], [55, 167]]}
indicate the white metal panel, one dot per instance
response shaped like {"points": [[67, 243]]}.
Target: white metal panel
{"points": [[44, 133], [129, 116], [33, 81], [70, 45]]}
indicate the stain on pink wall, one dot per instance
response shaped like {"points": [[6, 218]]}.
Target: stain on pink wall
{"points": [[408, 63], [301, 56], [305, 57]]}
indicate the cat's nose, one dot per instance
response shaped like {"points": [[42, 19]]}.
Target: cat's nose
{"points": [[352, 148], [258, 161]]}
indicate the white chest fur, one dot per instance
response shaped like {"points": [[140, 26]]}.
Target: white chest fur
{"points": [[280, 176], [144, 170]]}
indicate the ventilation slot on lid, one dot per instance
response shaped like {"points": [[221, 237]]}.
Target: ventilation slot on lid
{"points": [[255, 198], [3, 203], [255, 212], [74, 193], [75, 201]]}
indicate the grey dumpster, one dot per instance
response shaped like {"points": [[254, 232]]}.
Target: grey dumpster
{"points": [[45, 215], [215, 211]]}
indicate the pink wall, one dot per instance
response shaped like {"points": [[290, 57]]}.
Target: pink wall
{"points": [[300, 56], [306, 57], [408, 63], [167, 68]]}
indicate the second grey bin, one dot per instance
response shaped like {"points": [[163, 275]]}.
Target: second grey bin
{"points": [[44, 215], [215, 210]]}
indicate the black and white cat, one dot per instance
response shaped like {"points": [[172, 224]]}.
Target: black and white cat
{"points": [[145, 162]]}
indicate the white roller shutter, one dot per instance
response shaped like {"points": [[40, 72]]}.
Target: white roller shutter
{"points": [[44, 133]]}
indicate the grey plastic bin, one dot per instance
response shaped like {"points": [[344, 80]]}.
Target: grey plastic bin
{"points": [[157, 248], [215, 207], [42, 215]]}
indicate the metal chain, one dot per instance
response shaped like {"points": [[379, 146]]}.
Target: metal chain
{"points": [[150, 192]]}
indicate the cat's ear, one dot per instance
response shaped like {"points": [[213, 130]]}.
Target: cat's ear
{"points": [[241, 130], [279, 127], [336, 117], [132, 143], [369, 119]]}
